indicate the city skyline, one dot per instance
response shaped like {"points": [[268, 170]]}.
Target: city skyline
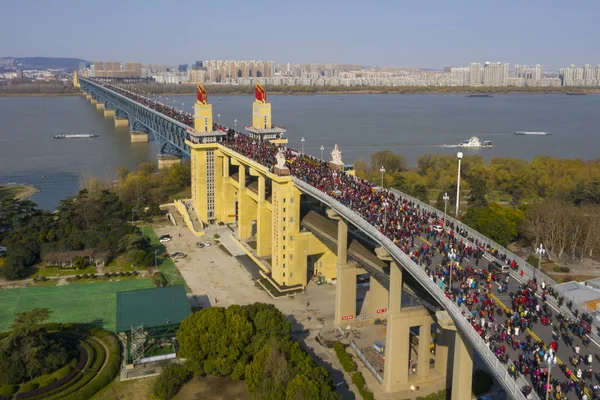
{"points": [[429, 34]]}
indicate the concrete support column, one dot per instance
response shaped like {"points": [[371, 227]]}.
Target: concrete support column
{"points": [[93, 101], [395, 288], [442, 344], [263, 222], [345, 290], [109, 112], [244, 212], [139, 137], [99, 106], [424, 355], [167, 161], [462, 371], [378, 299], [397, 351], [121, 122]]}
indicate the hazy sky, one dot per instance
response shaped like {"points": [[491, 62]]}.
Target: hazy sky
{"points": [[423, 33]]}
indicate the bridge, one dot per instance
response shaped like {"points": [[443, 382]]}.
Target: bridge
{"points": [[252, 180]]}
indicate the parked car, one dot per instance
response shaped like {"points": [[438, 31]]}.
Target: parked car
{"points": [[496, 266], [165, 238], [199, 245], [206, 244], [438, 229], [178, 254]]}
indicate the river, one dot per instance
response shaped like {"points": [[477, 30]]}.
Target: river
{"points": [[360, 124]]}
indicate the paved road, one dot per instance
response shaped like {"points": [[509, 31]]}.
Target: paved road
{"points": [[538, 331]]}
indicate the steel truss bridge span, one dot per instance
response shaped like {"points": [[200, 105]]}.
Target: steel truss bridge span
{"points": [[169, 133], [498, 369]]}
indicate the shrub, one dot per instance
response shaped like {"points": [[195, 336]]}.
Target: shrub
{"points": [[216, 236], [107, 274], [29, 386], [128, 273], [135, 273], [7, 390], [482, 382], [345, 359], [533, 260], [77, 276], [170, 381], [159, 280], [359, 380], [378, 321]]}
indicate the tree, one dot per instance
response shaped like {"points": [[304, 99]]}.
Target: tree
{"points": [[170, 381], [500, 224], [477, 193], [390, 161], [31, 348]]}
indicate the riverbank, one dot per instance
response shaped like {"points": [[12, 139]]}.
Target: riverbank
{"points": [[20, 192], [40, 94]]}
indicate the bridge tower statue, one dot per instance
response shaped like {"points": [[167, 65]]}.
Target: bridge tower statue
{"points": [[203, 115], [75, 79], [262, 127]]}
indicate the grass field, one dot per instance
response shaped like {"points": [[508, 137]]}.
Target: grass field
{"points": [[165, 265], [132, 389], [93, 303]]}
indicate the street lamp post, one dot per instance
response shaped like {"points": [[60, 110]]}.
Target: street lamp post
{"points": [[382, 170], [385, 207], [302, 140], [155, 260], [540, 251], [459, 155], [133, 210], [219, 119], [446, 198], [322, 148], [550, 360], [451, 256], [235, 124]]}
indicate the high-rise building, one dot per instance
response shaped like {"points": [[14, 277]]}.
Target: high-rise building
{"points": [[494, 74], [475, 74]]}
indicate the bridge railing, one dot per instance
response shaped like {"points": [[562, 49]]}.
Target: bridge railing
{"points": [[496, 367]]}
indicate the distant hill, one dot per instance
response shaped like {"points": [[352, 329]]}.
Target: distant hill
{"points": [[40, 62]]}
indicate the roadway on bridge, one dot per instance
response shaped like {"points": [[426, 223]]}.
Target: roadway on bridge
{"points": [[538, 331]]}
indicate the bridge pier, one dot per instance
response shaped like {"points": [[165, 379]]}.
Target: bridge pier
{"points": [[109, 112], [121, 122], [139, 137], [462, 370], [166, 161], [99, 106], [93, 100], [263, 221], [345, 288]]}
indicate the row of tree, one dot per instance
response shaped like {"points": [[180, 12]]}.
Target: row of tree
{"points": [[219, 89], [253, 342], [564, 230], [574, 180], [28, 87]]}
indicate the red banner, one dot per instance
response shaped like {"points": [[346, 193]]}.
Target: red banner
{"points": [[347, 317], [381, 310]]}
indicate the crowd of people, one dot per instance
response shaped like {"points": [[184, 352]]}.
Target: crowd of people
{"points": [[461, 272]]}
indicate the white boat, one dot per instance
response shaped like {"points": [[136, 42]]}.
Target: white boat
{"points": [[531, 133], [76, 136], [475, 142]]}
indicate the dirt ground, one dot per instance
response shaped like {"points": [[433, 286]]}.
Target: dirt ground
{"points": [[588, 268], [214, 388]]}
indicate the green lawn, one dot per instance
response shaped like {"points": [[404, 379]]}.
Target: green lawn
{"points": [[165, 265], [85, 303], [53, 271]]}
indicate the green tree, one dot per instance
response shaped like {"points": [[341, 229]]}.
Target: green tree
{"points": [[31, 348], [390, 161], [477, 193], [500, 224]]}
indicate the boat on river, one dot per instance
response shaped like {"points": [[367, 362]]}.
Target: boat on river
{"points": [[475, 142], [76, 136], [522, 133]]}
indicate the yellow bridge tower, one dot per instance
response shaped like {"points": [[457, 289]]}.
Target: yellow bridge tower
{"points": [[75, 79], [262, 127]]}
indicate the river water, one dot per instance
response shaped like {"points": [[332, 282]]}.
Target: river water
{"points": [[360, 124]]}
